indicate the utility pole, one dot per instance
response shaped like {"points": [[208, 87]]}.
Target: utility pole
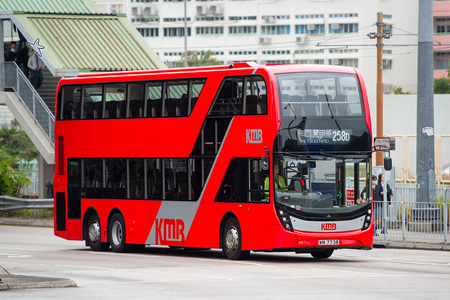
{"points": [[379, 35], [379, 154], [425, 163], [185, 35]]}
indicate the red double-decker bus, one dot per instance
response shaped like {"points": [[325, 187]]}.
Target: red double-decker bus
{"points": [[241, 157]]}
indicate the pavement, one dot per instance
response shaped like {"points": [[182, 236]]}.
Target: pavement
{"points": [[12, 281]]}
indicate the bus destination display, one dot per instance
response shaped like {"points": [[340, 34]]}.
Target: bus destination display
{"points": [[323, 136]]}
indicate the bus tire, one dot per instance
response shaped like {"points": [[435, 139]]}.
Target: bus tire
{"points": [[117, 234], [232, 240], [322, 254], [93, 234]]}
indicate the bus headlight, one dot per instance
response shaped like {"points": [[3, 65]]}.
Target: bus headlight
{"points": [[284, 218], [367, 219]]}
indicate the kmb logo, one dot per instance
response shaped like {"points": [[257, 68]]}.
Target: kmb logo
{"points": [[254, 136], [169, 230], [328, 226]]}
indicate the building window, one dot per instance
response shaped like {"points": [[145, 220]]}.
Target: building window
{"points": [[176, 31], [175, 19], [442, 64], [309, 62], [440, 29], [277, 62], [351, 15], [282, 17], [148, 32], [275, 29], [316, 16], [242, 30], [387, 64], [276, 52], [240, 18], [209, 30], [242, 52], [310, 29], [343, 28], [145, 20], [209, 19]]}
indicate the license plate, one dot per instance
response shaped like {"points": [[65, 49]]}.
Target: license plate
{"points": [[328, 242]]}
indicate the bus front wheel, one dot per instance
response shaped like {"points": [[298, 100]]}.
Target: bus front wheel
{"points": [[93, 234], [322, 254], [232, 240]]}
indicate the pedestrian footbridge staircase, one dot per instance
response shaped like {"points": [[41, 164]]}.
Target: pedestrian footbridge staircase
{"points": [[29, 109]]}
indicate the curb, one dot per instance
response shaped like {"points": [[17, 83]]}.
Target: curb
{"points": [[31, 222], [14, 282]]}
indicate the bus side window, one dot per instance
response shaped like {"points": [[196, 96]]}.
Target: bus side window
{"points": [[255, 103], [154, 99], [114, 97], [69, 103], [92, 101], [176, 98], [136, 94], [228, 101], [196, 86]]}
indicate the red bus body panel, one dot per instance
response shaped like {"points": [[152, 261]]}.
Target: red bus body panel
{"points": [[175, 137]]}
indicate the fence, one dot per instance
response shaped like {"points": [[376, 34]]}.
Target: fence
{"points": [[406, 219], [10, 203], [16, 80]]}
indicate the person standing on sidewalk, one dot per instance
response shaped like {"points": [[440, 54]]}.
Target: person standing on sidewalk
{"points": [[36, 66]]}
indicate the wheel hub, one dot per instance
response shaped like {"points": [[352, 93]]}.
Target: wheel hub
{"points": [[94, 232], [232, 239], [116, 233]]}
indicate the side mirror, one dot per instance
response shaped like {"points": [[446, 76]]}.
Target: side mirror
{"points": [[265, 163], [387, 163]]}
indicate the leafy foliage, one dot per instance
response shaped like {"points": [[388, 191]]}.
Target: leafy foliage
{"points": [[14, 146], [200, 58], [441, 86]]}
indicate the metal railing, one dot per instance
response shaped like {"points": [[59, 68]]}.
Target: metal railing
{"points": [[405, 219], [8, 203], [14, 78]]}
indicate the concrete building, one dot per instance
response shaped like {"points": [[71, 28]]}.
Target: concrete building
{"points": [[286, 31], [441, 16]]}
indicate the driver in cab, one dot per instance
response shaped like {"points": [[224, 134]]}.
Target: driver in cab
{"points": [[279, 180]]}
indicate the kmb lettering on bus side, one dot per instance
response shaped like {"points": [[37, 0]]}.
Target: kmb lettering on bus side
{"points": [[254, 136], [169, 230], [328, 226]]}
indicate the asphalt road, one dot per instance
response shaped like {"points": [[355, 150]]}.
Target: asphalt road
{"points": [[163, 273]]}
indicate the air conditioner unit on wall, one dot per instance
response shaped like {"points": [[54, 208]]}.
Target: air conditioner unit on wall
{"points": [[336, 61], [147, 11], [201, 10], [301, 39], [136, 10], [270, 19], [336, 26], [388, 88], [311, 26], [264, 40], [213, 10]]}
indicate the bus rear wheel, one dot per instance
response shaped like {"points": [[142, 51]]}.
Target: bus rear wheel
{"points": [[93, 234], [232, 241], [117, 235], [322, 254]]}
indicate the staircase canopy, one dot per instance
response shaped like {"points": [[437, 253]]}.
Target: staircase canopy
{"points": [[78, 38]]}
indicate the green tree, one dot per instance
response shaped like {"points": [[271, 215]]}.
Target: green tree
{"points": [[441, 86], [16, 143], [14, 146], [200, 58]]}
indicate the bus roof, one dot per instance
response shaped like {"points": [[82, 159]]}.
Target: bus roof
{"points": [[191, 69]]}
